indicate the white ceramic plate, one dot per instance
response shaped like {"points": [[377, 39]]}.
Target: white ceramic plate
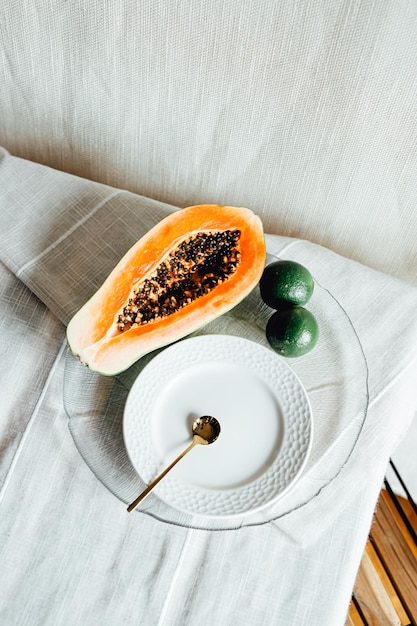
{"points": [[265, 417]]}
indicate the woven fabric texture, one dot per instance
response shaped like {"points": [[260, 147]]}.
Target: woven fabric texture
{"points": [[303, 111], [70, 552]]}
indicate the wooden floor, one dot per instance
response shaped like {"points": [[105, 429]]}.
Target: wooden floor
{"points": [[385, 591]]}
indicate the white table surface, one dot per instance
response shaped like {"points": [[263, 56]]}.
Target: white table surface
{"points": [[69, 552]]}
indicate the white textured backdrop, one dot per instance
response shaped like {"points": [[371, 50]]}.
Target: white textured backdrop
{"points": [[303, 111]]}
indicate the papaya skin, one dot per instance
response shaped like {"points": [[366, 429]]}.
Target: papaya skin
{"points": [[92, 334]]}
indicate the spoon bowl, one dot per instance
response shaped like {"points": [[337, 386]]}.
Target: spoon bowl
{"points": [[206, 428]]}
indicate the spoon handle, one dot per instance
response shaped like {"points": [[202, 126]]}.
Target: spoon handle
{"points": [[151, 485]]}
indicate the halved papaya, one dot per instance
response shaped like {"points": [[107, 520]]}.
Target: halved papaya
{"points": [[191, 267]]}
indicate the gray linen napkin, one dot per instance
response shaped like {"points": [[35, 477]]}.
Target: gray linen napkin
{"points": [[62, 235]]}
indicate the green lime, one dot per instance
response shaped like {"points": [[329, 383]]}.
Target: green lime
{"points": [[286, 282], [292, 331]]}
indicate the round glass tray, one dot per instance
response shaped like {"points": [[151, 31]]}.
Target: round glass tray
{"points": [[334, 375]]}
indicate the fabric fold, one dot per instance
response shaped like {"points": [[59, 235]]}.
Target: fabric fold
{"points": [[62, 235]]}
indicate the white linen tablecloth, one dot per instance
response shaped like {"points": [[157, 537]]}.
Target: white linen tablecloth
{"points": [[69, 552]]}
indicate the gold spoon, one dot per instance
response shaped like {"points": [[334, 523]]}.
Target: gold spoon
{"points": [[206, 429]]}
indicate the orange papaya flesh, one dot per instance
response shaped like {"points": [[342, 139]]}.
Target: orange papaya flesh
{"points": [[191, 267]]}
